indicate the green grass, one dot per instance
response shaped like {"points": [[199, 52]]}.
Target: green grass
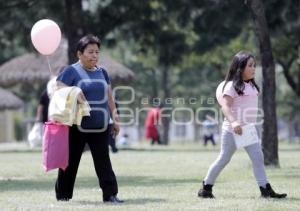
{"points": [[151, 178]]}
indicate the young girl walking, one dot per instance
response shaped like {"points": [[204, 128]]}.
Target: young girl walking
{"points": [[238, 95]]}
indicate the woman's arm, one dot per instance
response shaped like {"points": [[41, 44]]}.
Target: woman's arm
{"points": [[226, 109], [60, 85], [81, 98], [113, 111]]}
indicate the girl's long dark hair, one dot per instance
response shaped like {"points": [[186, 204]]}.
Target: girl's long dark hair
{"points": [[236, 70]]}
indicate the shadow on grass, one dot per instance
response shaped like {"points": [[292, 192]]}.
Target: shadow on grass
{"points": [[152, 181], [196, 148], [146, 150], [31, 151], [89, 182], [144, 201], [138, 181], [26, 185], [166, 149], [126, 202], [292, 199]]}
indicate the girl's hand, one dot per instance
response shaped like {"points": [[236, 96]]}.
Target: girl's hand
{"points": [[237, 128]]}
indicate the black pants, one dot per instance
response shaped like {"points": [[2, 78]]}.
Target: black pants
{"points": [[112, 139], [155, 140], [209, 138], [98, 143]]}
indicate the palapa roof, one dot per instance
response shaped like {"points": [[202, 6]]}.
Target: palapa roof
{"points": [[8, 100], [33, 67]]}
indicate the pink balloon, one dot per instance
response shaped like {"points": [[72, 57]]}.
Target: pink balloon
{"points": [[45, 36], [219, 92]]}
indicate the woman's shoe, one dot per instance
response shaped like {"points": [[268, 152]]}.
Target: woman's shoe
{"points": [[268, 192], [113, 199], [63, 199], [206, 191]]}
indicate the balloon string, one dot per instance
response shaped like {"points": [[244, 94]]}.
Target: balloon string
{"points": [[49, 65]]}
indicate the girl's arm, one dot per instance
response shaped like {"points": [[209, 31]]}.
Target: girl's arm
{"points": [[226, 109], [113, 111]]}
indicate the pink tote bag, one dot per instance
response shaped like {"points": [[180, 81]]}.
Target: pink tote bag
{"points": [[55, 146]]}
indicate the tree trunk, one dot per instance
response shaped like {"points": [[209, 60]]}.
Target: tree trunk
{"points": [[297, 128], [73, 26], [269, 136], [196, 132], [154, 84], [165, 113]]}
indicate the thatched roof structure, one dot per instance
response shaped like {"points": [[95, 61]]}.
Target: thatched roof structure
{"points": [[9, 101], [31, 67]]}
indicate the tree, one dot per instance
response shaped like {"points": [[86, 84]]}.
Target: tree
{"points": [[74, 25], [17, 18], [269, 139], [214, 26], [289, 59], [234, 20], [284, 21], [157, 32], [167, 30]]}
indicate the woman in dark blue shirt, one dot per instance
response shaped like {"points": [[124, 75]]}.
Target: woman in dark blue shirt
{"points": [[95, 85]]}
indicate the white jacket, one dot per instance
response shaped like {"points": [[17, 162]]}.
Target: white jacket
{"points": [[64, 107]]}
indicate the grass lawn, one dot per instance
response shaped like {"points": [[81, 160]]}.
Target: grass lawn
{"points": [[151, 178]]}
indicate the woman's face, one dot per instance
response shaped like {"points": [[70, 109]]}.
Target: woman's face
{"points": [[90, 56], [249, 71]]}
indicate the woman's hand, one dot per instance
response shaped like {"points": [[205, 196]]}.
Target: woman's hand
{"points": [[115, 129], [81, 98]]}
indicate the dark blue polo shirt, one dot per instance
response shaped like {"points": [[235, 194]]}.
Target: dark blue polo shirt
{"points": [[94, 85]]}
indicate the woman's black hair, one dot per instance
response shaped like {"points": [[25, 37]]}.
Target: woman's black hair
{"points": [[86, 40], [236, 70]]}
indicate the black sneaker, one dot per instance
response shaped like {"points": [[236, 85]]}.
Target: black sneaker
{"points": [[113, 199], [206, 191]]}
